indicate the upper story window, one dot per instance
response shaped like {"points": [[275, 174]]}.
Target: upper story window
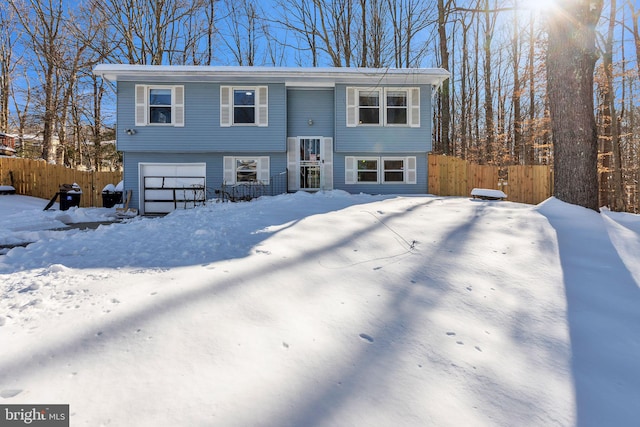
{"points": [[159, 105], [397, 105], [244, 106], [393, 106], [369, 107]]}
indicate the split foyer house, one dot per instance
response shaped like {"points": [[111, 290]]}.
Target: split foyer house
{"points": [[354, 129]]}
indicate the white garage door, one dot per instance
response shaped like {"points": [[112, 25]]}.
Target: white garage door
{"points": [[165, 187]]}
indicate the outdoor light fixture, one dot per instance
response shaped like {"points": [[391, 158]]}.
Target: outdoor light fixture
{"points": [[310, 122], [130, 131]]}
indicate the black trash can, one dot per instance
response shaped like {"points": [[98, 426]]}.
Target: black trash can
{"points": [[111, 198], [69, 196]]}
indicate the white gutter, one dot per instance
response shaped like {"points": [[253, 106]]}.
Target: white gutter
{"points": [[292, 76]]}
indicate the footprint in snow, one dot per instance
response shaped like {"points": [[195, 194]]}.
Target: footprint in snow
{"points": [[9, 393], [451, 334], [366, 337]]}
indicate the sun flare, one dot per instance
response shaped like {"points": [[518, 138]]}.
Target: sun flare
{"points": [[537, 5]]}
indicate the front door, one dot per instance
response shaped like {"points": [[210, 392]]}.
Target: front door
{"points": [[310, 163], [309, 160]]}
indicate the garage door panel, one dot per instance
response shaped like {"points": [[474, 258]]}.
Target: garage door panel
{"points": [[158, 207], [173, 182], [156, 195], [167, 186]]}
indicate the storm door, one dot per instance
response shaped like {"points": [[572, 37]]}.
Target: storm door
{"points": [[310, 167]]}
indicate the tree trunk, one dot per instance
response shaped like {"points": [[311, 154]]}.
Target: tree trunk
{"points": [[518, 143], [444, 90], [488, 91], [571, 59]]}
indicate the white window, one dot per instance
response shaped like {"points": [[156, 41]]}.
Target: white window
{"points": [[238, 170], [377, 170], [369, 107], [394, 106], [367, 170], [159, 105], [393, 170], [244, 106]]}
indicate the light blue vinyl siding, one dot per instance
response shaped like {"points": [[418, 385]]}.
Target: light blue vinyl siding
{"points": [[310, 104], [201, 131], [383, 139], [420, 187], [214, 168]]}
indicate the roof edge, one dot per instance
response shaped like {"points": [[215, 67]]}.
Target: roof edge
{"points": [[125, 72]]}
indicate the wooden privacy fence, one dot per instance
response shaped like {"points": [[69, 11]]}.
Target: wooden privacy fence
{"points": [[38, 178], [451, 176]]}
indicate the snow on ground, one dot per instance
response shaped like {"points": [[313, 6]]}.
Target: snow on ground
{"points": [[323, 310]]}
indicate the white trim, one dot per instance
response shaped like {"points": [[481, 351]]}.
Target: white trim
{"points": [[293, 164], [413, 113], [229, 175], [352, 107], [141, 105], [350, 172], [326, 165], [262, 106], [177, 106], [226, 106], [411, 170]]}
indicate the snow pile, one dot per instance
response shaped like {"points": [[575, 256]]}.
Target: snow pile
{"points": [[330, 309]]}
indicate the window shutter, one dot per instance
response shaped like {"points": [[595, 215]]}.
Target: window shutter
{"points": [[350, 172], [141, 105], [414, 107], [178, 105], [292, 164], [262, 107], [263, 170], [229, 175], [326, 177], [226, 106], [410, 173], [352, 107]]}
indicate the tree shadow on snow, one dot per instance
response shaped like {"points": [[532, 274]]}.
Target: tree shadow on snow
{"points": [[603, 311]]}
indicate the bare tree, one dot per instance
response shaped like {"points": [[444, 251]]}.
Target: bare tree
{"points": [[635, 18], [242, 30], [8, 38], [152, 31], [571, 59], [44, 25]]}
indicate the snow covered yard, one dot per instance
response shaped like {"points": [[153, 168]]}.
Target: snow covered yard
{"points": [[326, 309]]}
